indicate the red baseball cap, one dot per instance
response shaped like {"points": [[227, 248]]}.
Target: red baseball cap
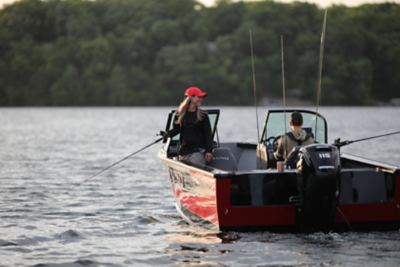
{"points": [[195, 91]]}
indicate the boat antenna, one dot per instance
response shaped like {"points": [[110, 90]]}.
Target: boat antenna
{"points": [[321, 56], [254, 87]]}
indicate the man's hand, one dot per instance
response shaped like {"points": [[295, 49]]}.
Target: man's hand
{"points": [[208, 156]]}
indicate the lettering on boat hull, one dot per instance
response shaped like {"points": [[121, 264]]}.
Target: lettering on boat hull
{"points": [[176, 177]]}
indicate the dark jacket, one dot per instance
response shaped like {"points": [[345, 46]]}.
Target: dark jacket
{"points": [[194, 134]]}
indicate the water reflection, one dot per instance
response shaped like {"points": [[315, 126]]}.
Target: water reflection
{"points": [[191, 245], [184, 234]]}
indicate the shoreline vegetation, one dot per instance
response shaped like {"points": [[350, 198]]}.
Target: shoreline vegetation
{"points": [[147, 52]]}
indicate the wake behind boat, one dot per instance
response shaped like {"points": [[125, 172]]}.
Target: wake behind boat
{"points": [[320, 188]]}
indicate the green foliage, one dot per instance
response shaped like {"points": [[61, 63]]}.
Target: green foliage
{"points": [[147, 52]]}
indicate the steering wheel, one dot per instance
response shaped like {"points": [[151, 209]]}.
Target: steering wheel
{"points": [[275, 142], [270, 140]]}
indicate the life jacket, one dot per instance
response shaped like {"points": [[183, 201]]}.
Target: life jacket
{"points": [[299, 142]]}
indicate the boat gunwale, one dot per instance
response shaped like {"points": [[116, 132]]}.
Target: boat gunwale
{"points": [[380, 166], [372, 162]]}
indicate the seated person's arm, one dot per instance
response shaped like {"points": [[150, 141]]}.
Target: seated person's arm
{"points": [[279, 152]]}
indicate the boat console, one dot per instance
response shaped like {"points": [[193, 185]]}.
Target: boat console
{"points": [[277, 123]]}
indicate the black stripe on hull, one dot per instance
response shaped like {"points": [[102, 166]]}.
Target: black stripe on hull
{"points": [[197, 220]]}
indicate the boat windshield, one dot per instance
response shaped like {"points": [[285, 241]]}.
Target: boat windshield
{"points": [[276, 121]]}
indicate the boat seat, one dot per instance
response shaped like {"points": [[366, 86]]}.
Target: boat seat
{"points": [[291, 160], [223, 159]]}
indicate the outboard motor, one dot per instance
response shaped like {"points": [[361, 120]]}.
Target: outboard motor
{"points": [[318, 179]]}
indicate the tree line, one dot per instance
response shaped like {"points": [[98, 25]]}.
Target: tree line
{"points": [[147, 52]]}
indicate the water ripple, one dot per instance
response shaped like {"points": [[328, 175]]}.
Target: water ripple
{"points": [[126, 215]]}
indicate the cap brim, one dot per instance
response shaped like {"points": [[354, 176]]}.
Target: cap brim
{"points": [[200, 94]]}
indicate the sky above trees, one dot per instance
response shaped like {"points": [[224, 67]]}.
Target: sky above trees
{"points": [[321, 3]]}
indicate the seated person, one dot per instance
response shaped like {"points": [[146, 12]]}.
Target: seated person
{"points": [[296, 137]]}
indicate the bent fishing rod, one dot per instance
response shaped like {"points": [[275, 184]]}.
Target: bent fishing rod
{"points": [[339, 144], [109, 167]]}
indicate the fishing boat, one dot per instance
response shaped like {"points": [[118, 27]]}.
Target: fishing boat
{"points": [[319, 188]]}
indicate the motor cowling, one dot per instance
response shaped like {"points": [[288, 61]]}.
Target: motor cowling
{"points": [[318, 181]]}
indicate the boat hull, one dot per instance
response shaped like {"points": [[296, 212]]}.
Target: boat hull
{"points": [[259, 200], [195, 194]]}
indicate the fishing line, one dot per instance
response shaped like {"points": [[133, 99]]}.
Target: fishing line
{"points": [[348, 223], [255, 96], [321, 56]]}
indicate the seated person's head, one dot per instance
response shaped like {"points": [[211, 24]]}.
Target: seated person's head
{"points": [[296, 119]]}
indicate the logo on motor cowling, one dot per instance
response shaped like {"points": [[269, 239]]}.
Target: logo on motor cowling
{"points": [[324, 155]]}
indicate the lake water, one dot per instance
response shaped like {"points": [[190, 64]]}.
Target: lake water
{"points": [[126, 215]]}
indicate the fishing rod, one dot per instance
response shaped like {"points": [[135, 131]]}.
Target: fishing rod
{"points": [[339, 144], [283, 89], [321, 56], [254, 87], [109, 167]]}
